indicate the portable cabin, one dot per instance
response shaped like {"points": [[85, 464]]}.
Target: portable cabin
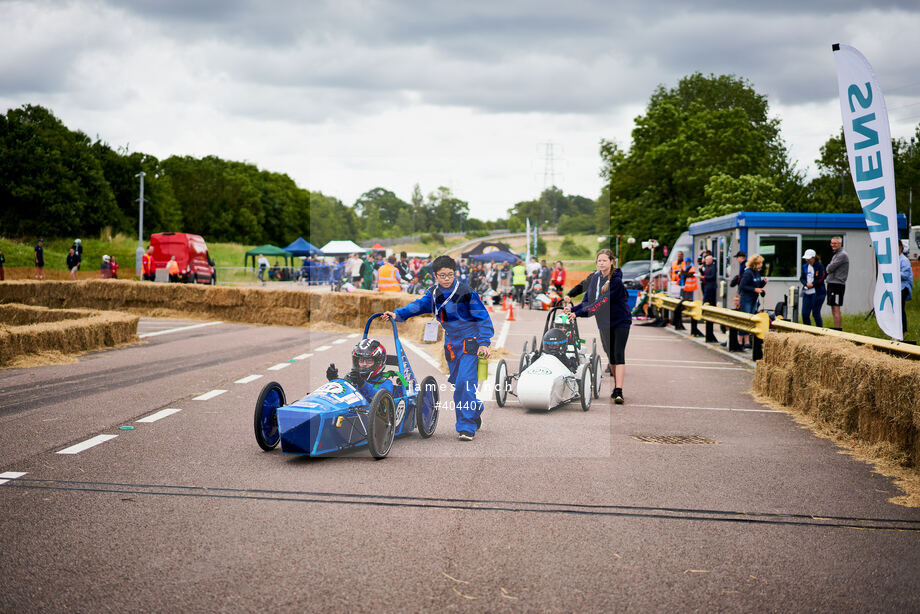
{"points": [[782, 238]]}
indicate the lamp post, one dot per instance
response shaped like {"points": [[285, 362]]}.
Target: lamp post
{"points": [[139, 255]]}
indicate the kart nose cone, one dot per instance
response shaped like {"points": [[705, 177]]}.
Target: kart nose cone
{"points": [[299, 429]]}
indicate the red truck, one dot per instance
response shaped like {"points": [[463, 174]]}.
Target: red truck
{"points": [[191, 252]]}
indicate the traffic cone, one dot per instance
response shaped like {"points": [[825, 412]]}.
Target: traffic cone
{"points": [[510, 317], [505, 302]]}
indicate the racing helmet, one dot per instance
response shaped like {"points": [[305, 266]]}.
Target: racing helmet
{"points": [[554, 342], [368, 358]]}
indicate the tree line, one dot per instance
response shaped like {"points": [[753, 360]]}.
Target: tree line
{"points": [[56, 181], [708, 147]]}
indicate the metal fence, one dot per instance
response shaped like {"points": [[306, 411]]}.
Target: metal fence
{"points": [[759, 324]]}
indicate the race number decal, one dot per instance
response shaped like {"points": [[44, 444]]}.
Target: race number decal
{"points": [[331, 388], [400, 411]]}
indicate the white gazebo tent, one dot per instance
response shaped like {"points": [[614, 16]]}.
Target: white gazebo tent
{"points": [[342, 248]]}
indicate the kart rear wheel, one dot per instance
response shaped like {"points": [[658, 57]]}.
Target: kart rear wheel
{"points": [[596, 375], [523, 362], [533, 348], [501, 384], [381, 424], [265, 420], [427, 406], [584, 388]]}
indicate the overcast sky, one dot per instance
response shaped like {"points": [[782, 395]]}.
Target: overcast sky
{"points": [[349, 95]]}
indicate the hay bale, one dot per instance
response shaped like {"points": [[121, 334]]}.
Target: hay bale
{"points": [[853, 389], [62, 332]]}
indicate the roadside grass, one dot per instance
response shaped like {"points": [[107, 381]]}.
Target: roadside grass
{"points": [[121, 247], [865, 323]]}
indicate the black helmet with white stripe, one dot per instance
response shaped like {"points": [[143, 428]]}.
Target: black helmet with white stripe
{"points": [[368, 358]]}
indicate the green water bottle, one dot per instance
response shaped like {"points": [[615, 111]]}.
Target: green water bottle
{"points": [[482, 366]]}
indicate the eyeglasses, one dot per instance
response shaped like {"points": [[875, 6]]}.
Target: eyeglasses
{"points": [[445, 275]]}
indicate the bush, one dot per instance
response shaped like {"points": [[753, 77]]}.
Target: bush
{"points": [[570, 249], [475, 234], [541, 246], [434, 237]]}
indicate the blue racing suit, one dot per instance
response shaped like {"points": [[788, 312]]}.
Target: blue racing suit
{"points": [[467, 327]]}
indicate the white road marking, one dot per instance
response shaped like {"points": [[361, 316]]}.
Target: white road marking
{"points": [[302, 356], [692, 362], [279, 366], [209, 395], [247, 379], [424, 355], [89, 443], [760, 411], [160, 414], [338, 341], [674, 366], [503, 335], [323, 348], [176, 330], [353, 335], [10, 475]]}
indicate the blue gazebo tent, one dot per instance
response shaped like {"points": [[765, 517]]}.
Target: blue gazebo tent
{"points": [[302, 247]]}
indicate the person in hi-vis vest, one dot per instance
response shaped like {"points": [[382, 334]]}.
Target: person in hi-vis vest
{"points": [[388, 276]]}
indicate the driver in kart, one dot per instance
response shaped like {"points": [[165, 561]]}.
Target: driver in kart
{"points": [[367, 375], [554, 343]]}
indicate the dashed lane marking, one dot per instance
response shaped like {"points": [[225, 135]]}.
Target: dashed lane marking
{"points": [[209, 395], [247, 379], [503, 335], [675, 366], [323, 348], [424, 355], [6, 476], [176, 330], [338, 341], [759, 411], [302, 356], [279, 366], [353, 335], [86, 445], [691, 362], [160, 415]]}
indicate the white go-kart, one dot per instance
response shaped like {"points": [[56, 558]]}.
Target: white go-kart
{"points": [[557, 372]]}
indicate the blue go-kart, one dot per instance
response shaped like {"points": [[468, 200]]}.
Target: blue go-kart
{"points": [[336, 417]]}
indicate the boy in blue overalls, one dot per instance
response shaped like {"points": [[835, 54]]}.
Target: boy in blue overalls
{"points": [[467, 334]]}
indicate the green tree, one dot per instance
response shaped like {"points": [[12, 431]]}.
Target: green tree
{"points": [[448, 211], [380, 209], [727, 194], [703, 127], [330, 220], [50, 181]]}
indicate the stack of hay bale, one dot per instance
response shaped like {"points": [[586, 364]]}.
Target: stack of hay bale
{"points": [[856, 389]]}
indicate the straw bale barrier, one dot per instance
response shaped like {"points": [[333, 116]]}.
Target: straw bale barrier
{"points": [[246, 305], [30, 331], [866, 394]]}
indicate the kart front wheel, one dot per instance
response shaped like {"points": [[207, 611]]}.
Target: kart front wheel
{"points": [[501, 385], [381, 424], [584, 388], [522, 364], [596, 375], [427, 406], [265, 420]]}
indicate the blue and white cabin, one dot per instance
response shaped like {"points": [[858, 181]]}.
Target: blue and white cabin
{"points": [[782, 238]]}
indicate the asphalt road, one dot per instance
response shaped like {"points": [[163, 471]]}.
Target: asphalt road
{"points": [[558, 511]]}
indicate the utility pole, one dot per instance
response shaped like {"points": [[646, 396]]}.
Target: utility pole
{"points": [[139, 255]]}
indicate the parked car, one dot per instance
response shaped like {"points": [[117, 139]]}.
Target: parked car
{"points": [[635, 270], [191, 252]]}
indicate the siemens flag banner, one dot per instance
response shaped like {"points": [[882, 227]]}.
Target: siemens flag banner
{"points": [[868, 139]]}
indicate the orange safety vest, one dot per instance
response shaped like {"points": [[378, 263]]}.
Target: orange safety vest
{"points": [[691, 283], [172, 267], [147, 264], [388, 278], [675, 270]]}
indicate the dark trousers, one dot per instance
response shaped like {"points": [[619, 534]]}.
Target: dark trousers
{"points": [[904, 292], [811, 305]]}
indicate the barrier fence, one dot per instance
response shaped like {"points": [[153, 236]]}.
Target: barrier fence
{"points": [[758, 325]]}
